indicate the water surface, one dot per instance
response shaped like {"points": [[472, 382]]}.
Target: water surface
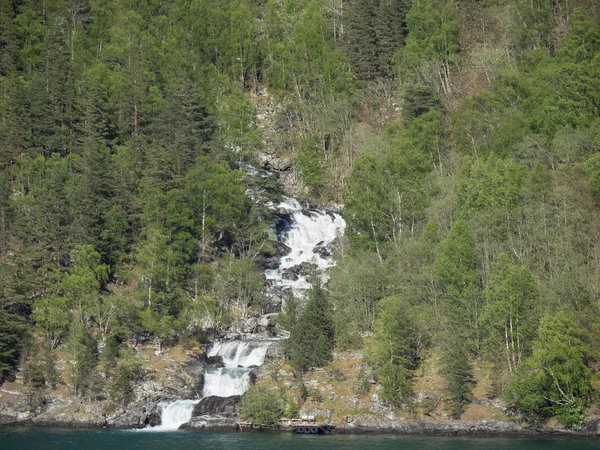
{"points": [[59, 439]]}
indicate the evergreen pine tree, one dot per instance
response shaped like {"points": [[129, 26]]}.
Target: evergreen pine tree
{"points": [[85, 359], [311, 339], [458, 371], [12, 330], [360, 38], [390, 30]]}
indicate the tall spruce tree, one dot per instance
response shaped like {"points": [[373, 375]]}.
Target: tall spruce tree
{"points": [[311, 340]]}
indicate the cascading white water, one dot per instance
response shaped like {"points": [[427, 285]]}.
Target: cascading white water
{"points": [[175, 414], [307, 230], [239, 357], [240, 353]]}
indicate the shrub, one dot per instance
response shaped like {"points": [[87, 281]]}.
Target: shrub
{"points": [[261, 406]]}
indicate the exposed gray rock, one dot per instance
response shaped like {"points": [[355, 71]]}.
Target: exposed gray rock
{"points": [[6, 420], [302, 269], [369, 424], [195, 369], [215, 413], [592, 427], [270, 161], [216, 361], [275, 351], [288, 274], [324, 251], [222, 406], [291, 182], [262, 326], [130, 417], [212, 423], [272, 301], [273, 261]]}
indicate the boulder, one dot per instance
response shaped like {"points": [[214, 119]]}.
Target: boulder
{"points": [[259, 326], [288, 274], [212, 423], [214, 405], [272, 301], [270, 161]]}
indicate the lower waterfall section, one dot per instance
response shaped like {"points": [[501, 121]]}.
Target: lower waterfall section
{"points": [[175, 414], [228, 377], [309, 234]]}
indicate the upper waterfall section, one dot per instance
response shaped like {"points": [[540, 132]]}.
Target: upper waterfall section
{"points": [[309, 234]]}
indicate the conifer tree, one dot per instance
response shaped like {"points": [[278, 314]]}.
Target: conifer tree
{"points": [[311, 340]]}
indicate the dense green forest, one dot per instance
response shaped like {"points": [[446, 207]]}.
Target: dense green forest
{"points": [[461, 136]]}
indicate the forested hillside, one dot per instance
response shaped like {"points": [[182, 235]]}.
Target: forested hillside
{"points": [[462, 138]]}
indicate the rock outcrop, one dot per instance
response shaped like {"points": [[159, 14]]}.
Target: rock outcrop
{"points": [[223, 406], [368, 424], [215, 413], [283, 168]]}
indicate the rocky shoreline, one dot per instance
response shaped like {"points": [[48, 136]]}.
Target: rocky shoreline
{"points": [[223, 424], [228, 421], [222, 413]]}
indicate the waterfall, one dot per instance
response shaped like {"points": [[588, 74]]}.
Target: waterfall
{"points": [[226, 381], [175, 414], [239, 357], [309, 234], [240, 353]]}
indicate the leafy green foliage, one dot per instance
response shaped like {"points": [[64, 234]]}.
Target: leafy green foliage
{"points": [[126, 374], [490, 184], [455, 271], [510, 313], [432, 42], [387, 193], [555, 379], [461, 137], [261, 406]]}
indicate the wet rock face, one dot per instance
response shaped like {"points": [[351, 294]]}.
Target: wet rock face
{"points": [[195, 369], [592, 427], [221, 406], [302, 269], [215, 413], [216, 361], [273, 261], [212, 423], [288, 274]]}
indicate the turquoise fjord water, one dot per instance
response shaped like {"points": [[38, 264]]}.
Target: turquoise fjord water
{"points": [[59, 439]]}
